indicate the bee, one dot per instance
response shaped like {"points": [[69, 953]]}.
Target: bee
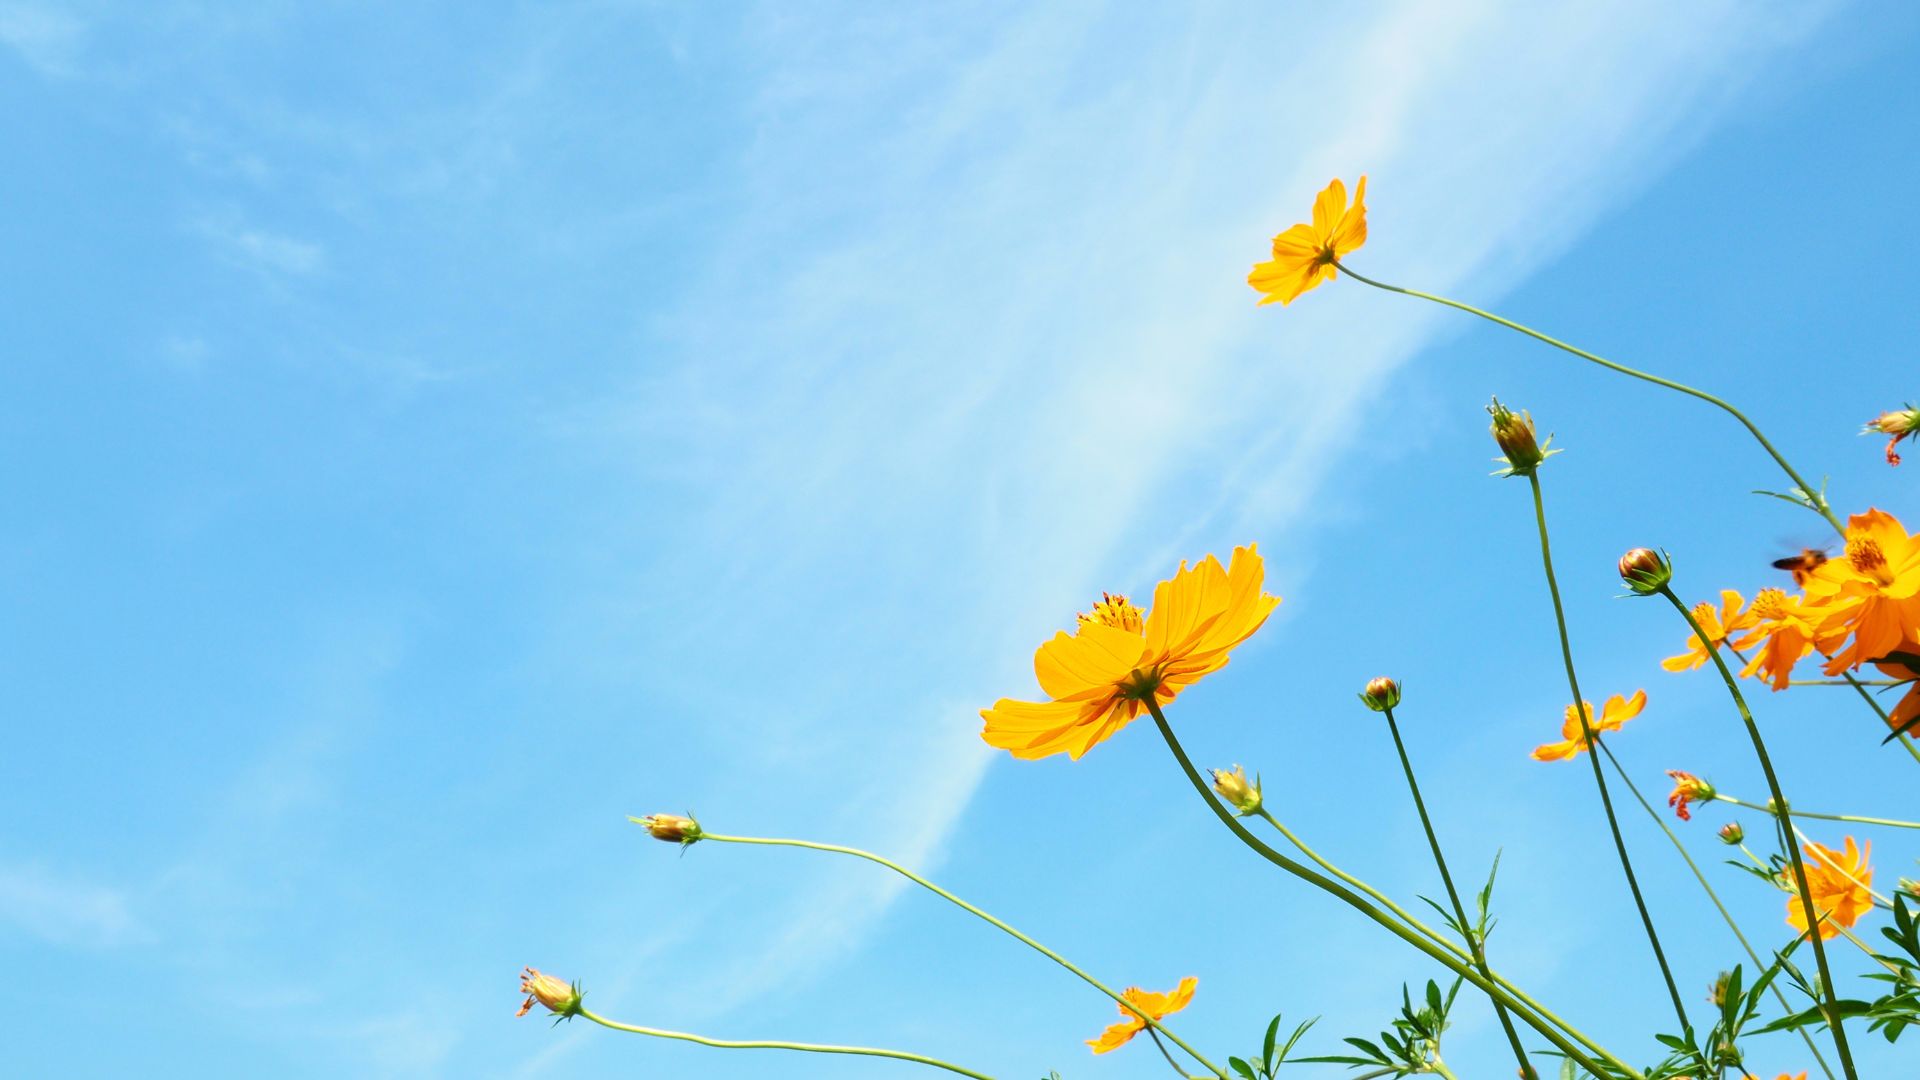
{"points": [[1801, 566]]}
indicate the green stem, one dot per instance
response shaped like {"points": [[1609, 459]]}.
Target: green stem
{"points": [[1446, 959], [971, 909], [1860, 686], [1816, 500], [769, 1044], [1592, 739], [1162, 1047], [1725, 915], [1785, 814], [1725, 798], [1466, 926], [1440, 1067], [1438, 938]]}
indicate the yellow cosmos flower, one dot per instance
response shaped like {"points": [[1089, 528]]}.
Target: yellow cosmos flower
{"points": [[1156, 1005], [1840, 884], [1613, 716], [1098, 678], [1303, 255], [1730, 619], [1873, 592], [1788, 628]]}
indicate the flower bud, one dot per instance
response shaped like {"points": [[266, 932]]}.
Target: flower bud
{"points": [[1645, 571], [1233, 787], [1516, 435], [1910, 887], [561, 999], [1900, 424], [1731, 833], [1717, 993], [1688, 788], [672, 828], [1381, 694]]}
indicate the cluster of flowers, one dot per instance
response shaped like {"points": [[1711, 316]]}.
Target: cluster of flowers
{"points": [[1860, 608], [1121, 662]]}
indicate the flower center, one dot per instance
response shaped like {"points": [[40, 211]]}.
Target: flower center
{"points": [[1867, 558], [1115, 610], [1770, 604], [1709, 620]]}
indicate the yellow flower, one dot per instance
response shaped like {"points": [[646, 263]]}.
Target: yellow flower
{"points": [[1787, 626], [1871, 592], [1099, 678], [1156, 1005], [1840, 884], [1303, 256], [1616, 713], [1719, 625]]}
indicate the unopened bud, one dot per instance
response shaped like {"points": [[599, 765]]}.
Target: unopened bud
{"points": [[1233, 787], [561, 998], [1717, 993], [1910, 887], [1645, 571], [1381, 694], [672, 828], [1731, 833], [1517, 438]]}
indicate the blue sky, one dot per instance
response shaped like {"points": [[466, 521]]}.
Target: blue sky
{"points": [[436, 434]]}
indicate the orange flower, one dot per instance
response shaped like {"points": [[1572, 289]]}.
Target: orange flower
{"points": [[1303, 256], [1100, 677], [1688, 789], [1719, 625], [1909, 707], [1787, 627], [1156, 1005], [1871, 591], [1573, 742], [1783, 1076], [1840, 883]]}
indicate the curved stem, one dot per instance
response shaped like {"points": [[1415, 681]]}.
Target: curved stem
{"points": [[1434, 935], [1785, 814], [1162, 1047], [1443, 957], [963, 905], [769, 1044], [1889, 822], [1466, 926], [1592, 739], [1727, 916], [1816, 500]]}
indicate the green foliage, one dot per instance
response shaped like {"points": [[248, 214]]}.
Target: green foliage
{"points": [[1273, 1053], [1896, 1010], [1412, 1045]]}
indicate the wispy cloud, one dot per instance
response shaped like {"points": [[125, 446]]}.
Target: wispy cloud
{"points": [[258, 249], [47, 38], [64, 911], [981, 315]]}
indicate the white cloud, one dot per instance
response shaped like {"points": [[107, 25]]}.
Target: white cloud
{"points": [[62, 911]]}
